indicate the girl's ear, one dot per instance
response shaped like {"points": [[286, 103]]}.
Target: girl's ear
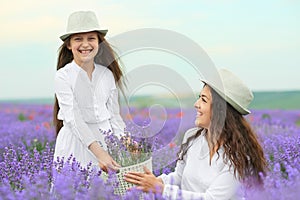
{"points": [[68, 44]]}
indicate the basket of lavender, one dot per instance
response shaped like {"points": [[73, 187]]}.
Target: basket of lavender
{"points": [[132, 154]]}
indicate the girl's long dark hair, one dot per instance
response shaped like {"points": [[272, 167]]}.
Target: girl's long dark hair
{"points": [[106, 56], [242, 149]]}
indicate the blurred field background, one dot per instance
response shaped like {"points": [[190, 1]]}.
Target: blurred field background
{"points": [[286, 100], [27, 143]]}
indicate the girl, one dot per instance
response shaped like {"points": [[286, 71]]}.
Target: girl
{"points": [[86, 93], [218, 154]]}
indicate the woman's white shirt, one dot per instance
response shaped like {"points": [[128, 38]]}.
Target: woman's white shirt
{"points": [[195, 178]]}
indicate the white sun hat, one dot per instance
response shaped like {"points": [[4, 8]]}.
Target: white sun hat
{"points": [[82, 22], [233, 90]]}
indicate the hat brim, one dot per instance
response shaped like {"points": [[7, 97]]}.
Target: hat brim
{"points": [[65, 36], [228, 99]]}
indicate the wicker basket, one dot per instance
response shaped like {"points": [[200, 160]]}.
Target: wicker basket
{"points": [[118, 178]]}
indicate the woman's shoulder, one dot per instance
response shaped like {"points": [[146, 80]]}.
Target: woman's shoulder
{"points": [[190, 132]]}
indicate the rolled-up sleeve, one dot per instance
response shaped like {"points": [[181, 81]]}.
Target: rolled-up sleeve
{"points": [[174, 178], [69, 111], [172, 181], [223, 187]]}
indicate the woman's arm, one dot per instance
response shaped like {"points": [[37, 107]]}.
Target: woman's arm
{"points": [[224, 187], [145, 181], [148, 182], [174, 178]]}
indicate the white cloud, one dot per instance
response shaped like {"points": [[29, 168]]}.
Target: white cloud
{"points": [[236, 40], [36, 29], [35, 20]]}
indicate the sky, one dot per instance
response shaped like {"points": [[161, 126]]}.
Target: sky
{"points": [[257, 40]]}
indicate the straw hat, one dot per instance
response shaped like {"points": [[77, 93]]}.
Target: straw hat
{"points": [[233, 90], [81, 22]]}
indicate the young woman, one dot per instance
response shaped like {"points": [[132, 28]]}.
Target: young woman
{"points": [[217, 155], [86, 93]]}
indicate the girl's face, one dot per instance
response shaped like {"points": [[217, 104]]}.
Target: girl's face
{"points": [[204, 106], [84, 47]]}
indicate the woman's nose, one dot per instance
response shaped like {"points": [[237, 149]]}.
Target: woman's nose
{"points": [[196, 105]]}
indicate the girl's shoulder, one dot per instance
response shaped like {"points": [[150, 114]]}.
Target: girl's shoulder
{"points": [[68, 72], [68, 68], [104, 70]]}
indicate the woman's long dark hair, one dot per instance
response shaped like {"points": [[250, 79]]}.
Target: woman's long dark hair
{"points": [[106, 56], [242, 149]]}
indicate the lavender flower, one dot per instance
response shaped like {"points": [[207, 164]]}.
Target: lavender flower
{"points": [[27, 170]]}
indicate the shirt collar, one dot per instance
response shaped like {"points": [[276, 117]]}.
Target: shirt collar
{"points": [[78, 68], [75, 66]]}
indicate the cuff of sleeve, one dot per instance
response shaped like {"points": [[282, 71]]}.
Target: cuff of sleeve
{"points": [[170, 191], [164, 178], [118, 127]]}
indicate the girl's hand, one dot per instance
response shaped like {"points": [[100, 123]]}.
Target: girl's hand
{"points": [[145, 181], [106, 163]]}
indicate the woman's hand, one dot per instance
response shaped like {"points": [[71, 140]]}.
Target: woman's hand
{"points": [[106, 163], [145, 181]]}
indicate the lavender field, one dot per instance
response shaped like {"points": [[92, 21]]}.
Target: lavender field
{"points": [[27, 142]]}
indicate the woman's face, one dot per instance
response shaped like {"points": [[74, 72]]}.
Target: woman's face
{"points": [[84, 47], [204, 106]]}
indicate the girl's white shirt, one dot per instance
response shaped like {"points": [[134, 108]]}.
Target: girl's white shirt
{"points": [[86, 106], [195, 178]]}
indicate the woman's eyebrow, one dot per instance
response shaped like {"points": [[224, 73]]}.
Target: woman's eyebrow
{"points": [[203, 95]]}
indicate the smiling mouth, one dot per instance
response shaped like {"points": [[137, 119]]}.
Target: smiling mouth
{"points": [[198, 114], [85, 51]]}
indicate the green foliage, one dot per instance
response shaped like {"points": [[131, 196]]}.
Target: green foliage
{"points": [[286, 100], [276, 100], [298, 122], [262, 100], [283, 171], [39, 146], [22, 117], [266, 116], [271, 156]]}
